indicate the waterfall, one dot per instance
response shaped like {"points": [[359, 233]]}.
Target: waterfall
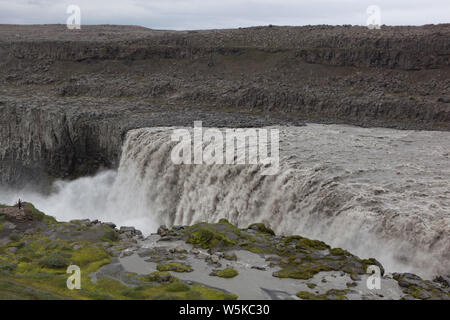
{"points": [[376, 192]]}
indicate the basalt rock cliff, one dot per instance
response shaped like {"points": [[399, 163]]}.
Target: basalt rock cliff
{"points": [[68, 97]]}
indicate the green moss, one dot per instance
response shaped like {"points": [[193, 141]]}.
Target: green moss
{"points": [[304, 270], [207, 237], [288, 240], [113, 289], [303, 274], [14, 290], [339, 252], [37, 271], [54, 261], [332, 294], [311, 244], [230, 256], [38, 215], [414, 292], [14, 237], [211, 294], [398, 276], [311, 285], [130, 274], [372, 262], [174, 266], [6, 266], [261, 227], [259, 249], [304, 295], [87, 255], [178, 287], [166, 296], [246, 237], [225, 273], [110, 236], [335, 294], [133, 293], [110, 287], [193, 295], [52, 246], [157, 276], [424, 290]]}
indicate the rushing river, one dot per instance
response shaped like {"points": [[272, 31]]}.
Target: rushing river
{"points": [[376, 192]]}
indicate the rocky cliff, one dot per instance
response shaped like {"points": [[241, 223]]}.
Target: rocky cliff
{"points": [[69, 96]]}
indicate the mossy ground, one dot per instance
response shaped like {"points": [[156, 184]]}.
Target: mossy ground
{"points": [[332, 294], [303, 258], [417, 288], [170, 290], [14, 290], [261, 227], [33, 263], [225, 273], [224, 236], [36, 268], [300, 258], [221, 235], [38, 215]]}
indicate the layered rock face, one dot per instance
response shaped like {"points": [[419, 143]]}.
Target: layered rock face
{"points": [[68, 97]]}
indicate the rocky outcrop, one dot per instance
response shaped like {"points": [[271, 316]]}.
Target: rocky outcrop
{"points": [[69, 96]]}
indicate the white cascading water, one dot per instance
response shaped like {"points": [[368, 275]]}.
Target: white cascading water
{"points": [[380, 193]]}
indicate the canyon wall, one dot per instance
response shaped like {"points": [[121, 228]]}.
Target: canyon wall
{"points": [[68, 97]]}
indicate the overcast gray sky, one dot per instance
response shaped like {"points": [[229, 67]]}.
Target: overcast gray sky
{"points": [[207, 14]]}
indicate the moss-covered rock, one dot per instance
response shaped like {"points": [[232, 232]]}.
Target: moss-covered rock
{"points": [[261, 227], [225, 273], [305, 295], [417, 288], [37, 269], [110, 236], [36, 214], [56, 260], [178, 287], [221, 235], [158, 276], [332, 294]]}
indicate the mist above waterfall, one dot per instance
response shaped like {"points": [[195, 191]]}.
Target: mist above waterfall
{"points": [[376, 192]]}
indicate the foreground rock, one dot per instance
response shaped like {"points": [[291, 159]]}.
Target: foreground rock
{"points": [[203, 261]]}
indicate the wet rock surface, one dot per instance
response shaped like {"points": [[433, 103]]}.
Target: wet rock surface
{"points": [[202, 261]]}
